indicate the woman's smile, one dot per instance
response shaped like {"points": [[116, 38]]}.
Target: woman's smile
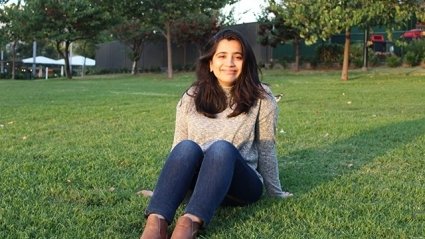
{"points": [[227, 62]]}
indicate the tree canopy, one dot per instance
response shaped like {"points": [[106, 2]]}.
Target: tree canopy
{"points": [[134, 25], [274, 30], [323, 18], [133, 22], [167, 12], [65, 22], [195, 29], [14, 29]]}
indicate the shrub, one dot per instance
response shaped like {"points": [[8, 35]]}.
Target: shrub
{"points": [[356, 56], [329, 53], [312, 60], [393, 61], [375, 59], [411, 58], [415, 52]]}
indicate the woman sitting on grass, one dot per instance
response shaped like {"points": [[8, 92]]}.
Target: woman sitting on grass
{"points": [[224, 142]]}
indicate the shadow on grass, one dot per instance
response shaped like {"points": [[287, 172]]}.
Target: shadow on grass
{"points": [[355, 77], [311, 167]]}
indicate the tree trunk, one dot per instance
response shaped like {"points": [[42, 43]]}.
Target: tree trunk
{"points": [[65, 55], [346, 62], [199, 48], [184, 56], [67, 63], [83, 68], [134, 67], [296, 43], [169, 51], [137, 48], [365, 49]]}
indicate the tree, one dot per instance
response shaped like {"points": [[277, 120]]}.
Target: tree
{"points": [[275, 30], [162, 15], [134, 34], [168, 11], [85, 47], [135, 25], [195, 29], [14, 28], [65, 22], [323, 18]]}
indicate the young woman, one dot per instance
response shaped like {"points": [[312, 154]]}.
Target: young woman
{"points": [[224, 142]]}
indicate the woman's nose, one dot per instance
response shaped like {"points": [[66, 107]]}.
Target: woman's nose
{"points": [[230, 61]]}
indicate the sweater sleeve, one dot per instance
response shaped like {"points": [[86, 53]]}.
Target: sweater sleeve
{"points": [[181, 129], [267, 160]]}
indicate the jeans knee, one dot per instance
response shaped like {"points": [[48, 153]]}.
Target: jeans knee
{"points": [[222, 151], [186, 150], [187, 144], [222, 146]]}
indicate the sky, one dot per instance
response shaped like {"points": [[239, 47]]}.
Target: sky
{"points": [[246, 10]]}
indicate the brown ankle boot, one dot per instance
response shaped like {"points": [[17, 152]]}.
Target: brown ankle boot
{"points": [[155, 228], [185, 229]]}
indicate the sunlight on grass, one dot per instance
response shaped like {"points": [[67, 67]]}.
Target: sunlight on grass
{"points": [[74, 153]]}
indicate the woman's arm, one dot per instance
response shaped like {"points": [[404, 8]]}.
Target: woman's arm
{"points": [[265, 136], [180, 130]]}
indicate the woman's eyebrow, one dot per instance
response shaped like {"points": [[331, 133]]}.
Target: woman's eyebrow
{"points": [[225, 52]]}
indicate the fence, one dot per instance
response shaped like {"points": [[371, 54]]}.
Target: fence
{"points": [[113, 56]]}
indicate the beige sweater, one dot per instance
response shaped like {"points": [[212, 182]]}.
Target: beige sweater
{"points": [[253, 134]]}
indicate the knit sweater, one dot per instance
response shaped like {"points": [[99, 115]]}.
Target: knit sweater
{"points": [[253, 134]]}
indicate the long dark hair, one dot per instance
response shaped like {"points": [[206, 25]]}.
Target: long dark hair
{"points": [[210, 98]]}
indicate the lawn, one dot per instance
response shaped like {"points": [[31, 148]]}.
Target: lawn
{"points": [[74, 154]]}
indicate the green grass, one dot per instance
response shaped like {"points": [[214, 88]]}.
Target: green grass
{"points": [[73, 154]]}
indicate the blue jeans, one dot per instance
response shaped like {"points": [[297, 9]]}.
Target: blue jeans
{"points": [[220, 176]]}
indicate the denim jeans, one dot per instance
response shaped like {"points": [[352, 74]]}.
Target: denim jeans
{"points": [[220, 176]]}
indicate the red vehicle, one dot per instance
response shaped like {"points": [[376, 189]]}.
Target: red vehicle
{"points": [[377, 38], [413, 34], [377, 43]]}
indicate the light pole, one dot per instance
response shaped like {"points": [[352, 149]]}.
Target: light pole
{"points": [[34, 55]]}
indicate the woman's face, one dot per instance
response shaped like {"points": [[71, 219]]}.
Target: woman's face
{"points": [[227, 62]]}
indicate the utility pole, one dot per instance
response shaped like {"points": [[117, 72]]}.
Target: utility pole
{"points": [[34, 55]]}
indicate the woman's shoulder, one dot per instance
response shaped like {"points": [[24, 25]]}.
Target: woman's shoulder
{"points": [[191, 91], [187, 96], [267, 89], [268, 94]]}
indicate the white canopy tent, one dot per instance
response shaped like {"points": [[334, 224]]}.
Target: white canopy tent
{"points": [[40, 60], [78, 61], [74, 61]]}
